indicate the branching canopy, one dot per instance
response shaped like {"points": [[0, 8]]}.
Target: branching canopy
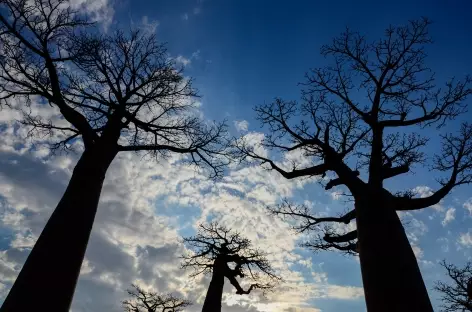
{"points": [[355, 122], [122, 89], [215, 243], [147, 301], [456, 297]]}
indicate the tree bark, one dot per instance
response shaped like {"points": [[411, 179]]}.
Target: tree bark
{"points": [[390, 273], [49, 276], [215, 290]]}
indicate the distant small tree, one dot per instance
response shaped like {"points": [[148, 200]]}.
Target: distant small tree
{"points": [[458, 295], [116, 93], [222, 253], [149, 301], [355, 128]]}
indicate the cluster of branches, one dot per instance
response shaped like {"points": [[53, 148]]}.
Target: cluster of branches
{"points": [[216, 243], [328, 232], [458, 296], [354, 124], [148, 301], [125, 81]]}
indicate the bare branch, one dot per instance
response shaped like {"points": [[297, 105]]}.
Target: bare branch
{"points": [[437, 107], [330, 239], [148, 301], [306, 220], [456, 157], [456, 297]]}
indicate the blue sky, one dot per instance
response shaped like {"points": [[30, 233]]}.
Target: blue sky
{"points": [[241, 54], [252, 51]]}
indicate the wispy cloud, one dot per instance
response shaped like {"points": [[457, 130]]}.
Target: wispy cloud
{"points": [[182, 60], [336, 195], [100, 11], [468, 205], [465, 239], [149, 26], [187, 61], [449, 216], [241, 125]]}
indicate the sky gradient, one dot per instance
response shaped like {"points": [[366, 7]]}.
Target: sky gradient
{"points": [[241, 54]]}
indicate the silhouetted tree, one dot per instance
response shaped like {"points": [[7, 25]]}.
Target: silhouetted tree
{"points": [[326, 232], [215, 249], [117, 93], [354, 124], [148, 301], [458, 296]]}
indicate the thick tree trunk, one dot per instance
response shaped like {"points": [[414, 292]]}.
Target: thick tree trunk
{"points": [[390, 273], [215, 290], [48, 278]]}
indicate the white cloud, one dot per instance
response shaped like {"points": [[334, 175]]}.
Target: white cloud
{"points": [[301, 309], [468, 205], [86, 268], [101, 11], [465, 239], [149, 27], [335, 195], [197, 10], [187, 61], [182, 60], [417, 251], [415, 228], [424, 191], [254, 140], [185, 16], [320, 277], [241, 125], [343, 292], [449, 216]]}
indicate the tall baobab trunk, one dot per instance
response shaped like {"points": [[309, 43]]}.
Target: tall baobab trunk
{"points": [[215, 290], [390, 273], [49, 275]]}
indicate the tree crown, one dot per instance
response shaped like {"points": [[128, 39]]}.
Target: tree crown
{"points": [[215, 243], [456, 297], [354, 124], [122, 90], [149, 301]]}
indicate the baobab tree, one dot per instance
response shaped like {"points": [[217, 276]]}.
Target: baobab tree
{"points": [[149, 301], [356, 124], [458, 295], [222, 253], [116, 93]]}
